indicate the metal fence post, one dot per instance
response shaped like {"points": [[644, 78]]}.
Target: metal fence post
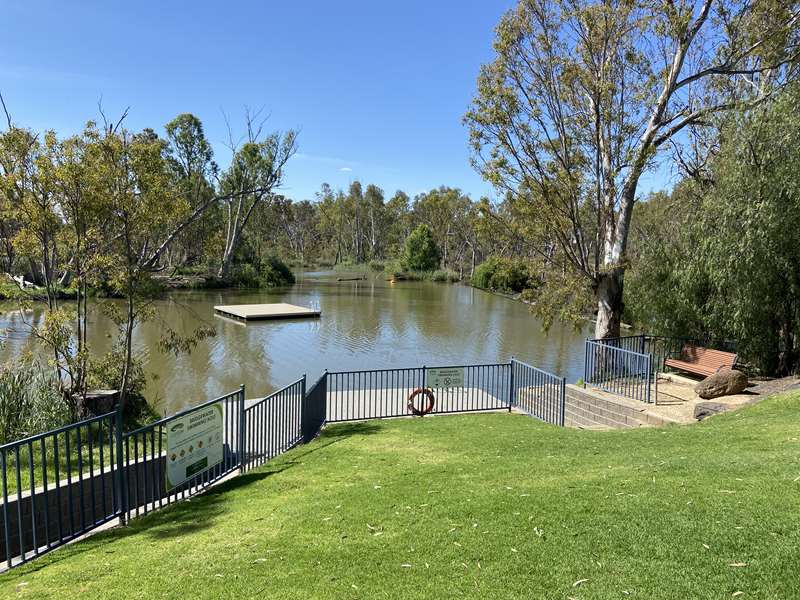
{"points": [[563, 393], [304, 410], [322, 415], [585, 363], [242, 425], [511, 384], [122, 477], [648, 366]]}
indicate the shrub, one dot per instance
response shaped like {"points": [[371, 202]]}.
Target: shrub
{"points": [[245, 276], [272, 272], [30, 402], [502, 274], [445, 276], [275, 273], [377, 265], [421, 252], [106, 373]]}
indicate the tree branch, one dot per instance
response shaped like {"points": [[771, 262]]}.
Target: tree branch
{"points": [[5, 110], [696, 116]]}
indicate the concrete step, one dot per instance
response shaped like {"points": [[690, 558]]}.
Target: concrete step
{"points": [[618, 408], [579, 422], [605, 413], [586, 405], [601, 417]]}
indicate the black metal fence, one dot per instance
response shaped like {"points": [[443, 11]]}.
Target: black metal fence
{"points": [[383, 393], [59, 485], [538, 393], [273, 425], [314, 408], [662, 347], [143, 470], [615, 369], [63, 483]]}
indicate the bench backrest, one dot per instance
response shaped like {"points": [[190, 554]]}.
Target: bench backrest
{"points": [[713, 359]]}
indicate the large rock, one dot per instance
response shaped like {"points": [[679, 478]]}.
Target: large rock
{"points": [[724, 382]]}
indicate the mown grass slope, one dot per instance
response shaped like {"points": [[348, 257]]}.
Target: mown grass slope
{"points": [[473, 506]]}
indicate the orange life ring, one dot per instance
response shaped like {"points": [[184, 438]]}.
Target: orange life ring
{"points": [[421, 412]]}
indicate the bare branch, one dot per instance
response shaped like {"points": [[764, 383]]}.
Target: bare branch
{"points": [[5, 110], [696, 117]]}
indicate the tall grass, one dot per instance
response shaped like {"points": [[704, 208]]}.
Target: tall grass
{"points": [[30, 402]]}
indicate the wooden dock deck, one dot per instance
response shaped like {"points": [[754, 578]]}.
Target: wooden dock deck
{"points": [[279, 310]]}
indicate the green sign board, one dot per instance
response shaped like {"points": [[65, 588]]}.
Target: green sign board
{"points": [[194, 444], [445, 377]]}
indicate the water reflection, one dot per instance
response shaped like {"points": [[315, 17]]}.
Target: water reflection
{"points": [[364, 324]]}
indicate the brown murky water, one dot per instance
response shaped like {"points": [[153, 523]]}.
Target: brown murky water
{"points": [[364, 325]]}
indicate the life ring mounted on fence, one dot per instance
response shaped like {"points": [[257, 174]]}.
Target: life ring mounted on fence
{"points": [[421, 412]]}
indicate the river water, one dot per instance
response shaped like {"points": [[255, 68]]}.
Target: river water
{"points": [[368, 324]]}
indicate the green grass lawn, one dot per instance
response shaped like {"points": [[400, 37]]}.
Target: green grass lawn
{"points": [[91, 457], [473, 506]]}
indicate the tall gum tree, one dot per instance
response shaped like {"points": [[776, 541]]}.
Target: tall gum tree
{"points": [[583, 98]]}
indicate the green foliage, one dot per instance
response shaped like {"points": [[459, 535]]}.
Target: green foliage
{"points": [[503, 275], [30, 402], [275, 273], [377, 265], [445, 276], [272, 272], [421, 252], [106, 373], [729, 266]]}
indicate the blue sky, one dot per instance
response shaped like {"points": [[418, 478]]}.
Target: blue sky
{"points": [[377, 89]]}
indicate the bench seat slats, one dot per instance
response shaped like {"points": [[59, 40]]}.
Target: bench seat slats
{"points": [[690, 367], [701, 361]]}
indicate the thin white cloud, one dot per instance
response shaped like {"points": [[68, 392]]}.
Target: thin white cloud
{"points": [[345, 169]]}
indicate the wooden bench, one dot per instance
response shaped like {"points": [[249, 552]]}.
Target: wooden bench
{"points": [[701, 361]]}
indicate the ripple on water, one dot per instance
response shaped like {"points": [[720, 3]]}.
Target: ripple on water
{"points": [[364, 325]]}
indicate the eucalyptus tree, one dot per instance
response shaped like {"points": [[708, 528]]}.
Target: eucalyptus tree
{"points": [[582, 98], [329, 222], [376, 214], [729, 268], [30, 197], [446, 210], [191, 160], [256, 170]]}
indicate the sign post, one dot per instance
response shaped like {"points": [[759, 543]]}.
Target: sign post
{"points": [[445, 377], [194, 444]]}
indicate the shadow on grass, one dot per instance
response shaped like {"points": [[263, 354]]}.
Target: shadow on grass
{"points": [[178, 519], [182, 517], [342, 430]]}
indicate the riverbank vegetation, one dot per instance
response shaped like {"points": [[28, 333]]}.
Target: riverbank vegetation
{"points": [[111, 212], [100, 213], [515, 509], [583, 98], [720, 254]]}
